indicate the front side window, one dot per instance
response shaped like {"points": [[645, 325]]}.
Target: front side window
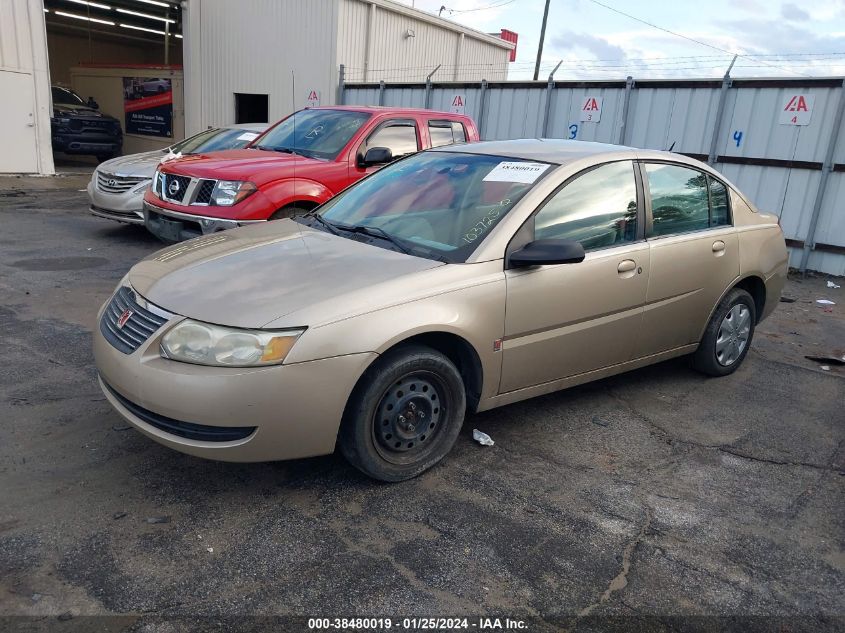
{"points": [[439, 205], [679, 200], [597, 209], [400, 137], [314, 133]]}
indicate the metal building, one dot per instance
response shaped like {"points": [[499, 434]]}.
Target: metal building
{"points": [[25, 86], [273, 56]]}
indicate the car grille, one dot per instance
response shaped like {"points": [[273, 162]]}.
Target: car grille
{"points": [[139, 326], [204, 190], [188, 430], [111, 183], [174, 187]]}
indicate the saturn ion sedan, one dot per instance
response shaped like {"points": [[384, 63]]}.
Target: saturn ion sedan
{"points": [[456, 280]]}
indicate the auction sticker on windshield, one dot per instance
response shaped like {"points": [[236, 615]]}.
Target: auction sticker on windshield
{"points": [[516, 171]]}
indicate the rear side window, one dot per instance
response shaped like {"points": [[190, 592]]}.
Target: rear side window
{"points": [[597, 209], [446, 133], [400, 137], [685, 200]]}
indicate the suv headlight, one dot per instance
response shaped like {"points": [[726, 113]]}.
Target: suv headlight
{"points": [[205, 344], [156, 186], [229, 192]]}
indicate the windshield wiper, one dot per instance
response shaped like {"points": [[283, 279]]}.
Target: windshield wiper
{"points": [[374, 231], [331, 227]]}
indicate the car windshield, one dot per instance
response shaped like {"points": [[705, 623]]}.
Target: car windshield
{"points": [[439, 205], [66, 97], [314, 133], [216, 140]]}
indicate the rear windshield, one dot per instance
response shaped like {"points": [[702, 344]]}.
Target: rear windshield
{"points": [[314, 133], [439, 205], [216, 140]]}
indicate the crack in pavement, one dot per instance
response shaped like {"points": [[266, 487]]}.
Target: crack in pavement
{"points": [[725, 448], [620, 581]]}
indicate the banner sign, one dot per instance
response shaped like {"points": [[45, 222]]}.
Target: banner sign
{"points": [[148, 106]]}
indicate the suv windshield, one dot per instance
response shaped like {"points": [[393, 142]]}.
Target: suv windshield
{"points": [[439, 205], [66, 96], [216, 140], [314, 133]]}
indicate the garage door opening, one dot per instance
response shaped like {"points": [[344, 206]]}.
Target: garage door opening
{"points": [[250, 108]]}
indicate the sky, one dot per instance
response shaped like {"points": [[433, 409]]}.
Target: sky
{"points": [[773, 38]]}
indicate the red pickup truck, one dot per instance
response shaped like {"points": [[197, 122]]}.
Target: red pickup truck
{"points": [[299, 163]]}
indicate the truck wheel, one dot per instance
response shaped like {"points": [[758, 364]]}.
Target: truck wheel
{"points": [[288, 212], [728, 335], [404, 415]]}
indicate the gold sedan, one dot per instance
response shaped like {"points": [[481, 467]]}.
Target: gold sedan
{"points": [[458, 279]]}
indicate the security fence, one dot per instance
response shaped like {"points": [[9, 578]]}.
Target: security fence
{"points": [[780, 140]]}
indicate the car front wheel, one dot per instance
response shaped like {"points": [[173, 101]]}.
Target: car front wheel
{"points": [[728, 335], [404, 415]]}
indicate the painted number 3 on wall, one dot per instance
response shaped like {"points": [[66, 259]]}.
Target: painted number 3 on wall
{"points": [[573, 131]]}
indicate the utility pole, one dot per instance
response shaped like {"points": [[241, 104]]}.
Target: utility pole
{"points": [[542, 37]]}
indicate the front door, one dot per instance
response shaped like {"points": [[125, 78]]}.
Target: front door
{"points": [[569, 319], [400, 136]]}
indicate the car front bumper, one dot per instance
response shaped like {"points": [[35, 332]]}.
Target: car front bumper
{"points": [[122, 207], [174, 226], [282, 412]]}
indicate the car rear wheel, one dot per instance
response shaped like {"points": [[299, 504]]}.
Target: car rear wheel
{"points": [[405, 414], [728, 335]]}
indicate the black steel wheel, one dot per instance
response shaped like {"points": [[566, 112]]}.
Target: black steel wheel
{"points": [[404, 415]]}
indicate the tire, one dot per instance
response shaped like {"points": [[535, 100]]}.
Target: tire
{"points": [[288, 212], [404, 414], [727, 337]]}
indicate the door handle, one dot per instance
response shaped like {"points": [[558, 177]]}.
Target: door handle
{"points": [[718, 246], [626, 266]]}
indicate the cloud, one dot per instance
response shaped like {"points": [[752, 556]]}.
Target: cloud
{"points": [[599, 47], [794, 12], [760, 36]]}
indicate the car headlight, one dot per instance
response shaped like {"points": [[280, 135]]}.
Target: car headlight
{"points": [[229, 192], [205, 344], [156, 185], [141, 186]]}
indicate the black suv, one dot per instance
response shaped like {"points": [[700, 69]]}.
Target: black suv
{"points": [[79, 128]]}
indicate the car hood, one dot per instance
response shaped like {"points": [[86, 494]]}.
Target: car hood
{"points": [[244, 164], [143, 164], [66, 109], [252, 276]]}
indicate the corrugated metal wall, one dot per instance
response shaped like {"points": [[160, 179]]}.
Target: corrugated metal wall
{"points": [[778, 166], [260, 47], [374, 44], [25, 108]]}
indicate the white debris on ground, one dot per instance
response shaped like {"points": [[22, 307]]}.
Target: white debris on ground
{"points": [[482, 438]]}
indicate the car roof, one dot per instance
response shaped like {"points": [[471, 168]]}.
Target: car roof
{"points": [[384, 109], [247, 126], [547, 150]]}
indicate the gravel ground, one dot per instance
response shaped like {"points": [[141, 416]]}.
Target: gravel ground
{"points": [[658, 497]]}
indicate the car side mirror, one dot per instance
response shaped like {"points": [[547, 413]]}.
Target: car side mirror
{"points": [[93, 104], [547, 252], [376, 156]]}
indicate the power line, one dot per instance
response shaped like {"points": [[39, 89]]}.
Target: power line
{"points": [[691, 39]]}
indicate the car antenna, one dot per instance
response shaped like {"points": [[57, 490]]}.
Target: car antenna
{"points": [[293, 103], [672, 146]]}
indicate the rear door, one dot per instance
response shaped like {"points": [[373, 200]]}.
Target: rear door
{"points": [[569, 319], [694, 253]]}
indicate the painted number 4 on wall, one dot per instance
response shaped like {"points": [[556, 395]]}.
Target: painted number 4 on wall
{"points": [[796, 109]]}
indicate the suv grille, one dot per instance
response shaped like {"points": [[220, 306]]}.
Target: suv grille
{"points": [[139, 326], [174, 187], [111, 183], [204, 190]]}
